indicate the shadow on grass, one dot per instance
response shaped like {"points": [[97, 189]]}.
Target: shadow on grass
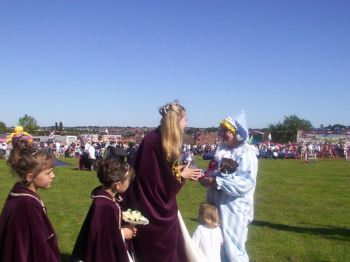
{"points": [[338, 233], [59, 163], [65, 257]]}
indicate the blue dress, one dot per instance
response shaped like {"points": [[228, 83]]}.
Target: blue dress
{"points": [[234, 198]]}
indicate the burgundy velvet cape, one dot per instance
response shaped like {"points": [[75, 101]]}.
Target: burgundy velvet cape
{"points": [[153, 192], [100, 238], [26, 233]]}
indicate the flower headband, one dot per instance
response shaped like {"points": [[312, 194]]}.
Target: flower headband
{"points": [[19, 134], [228, 124], [235, 127], [166, 108]]}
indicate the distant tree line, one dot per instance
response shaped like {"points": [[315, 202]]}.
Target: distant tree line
{"points": [[282, 132]]}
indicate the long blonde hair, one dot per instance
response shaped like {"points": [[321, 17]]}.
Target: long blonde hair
{"points": [[171, 133]]}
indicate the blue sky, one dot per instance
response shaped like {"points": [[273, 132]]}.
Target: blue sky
{"points": [[115, 62]]}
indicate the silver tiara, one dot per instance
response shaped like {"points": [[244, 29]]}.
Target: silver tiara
{"points": [[163, 110]]}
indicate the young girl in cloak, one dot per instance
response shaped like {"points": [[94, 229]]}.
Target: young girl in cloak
{"points": [[102, 238], [26, 233]]}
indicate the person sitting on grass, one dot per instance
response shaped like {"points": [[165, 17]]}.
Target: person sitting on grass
{"points": [[102, 237]]}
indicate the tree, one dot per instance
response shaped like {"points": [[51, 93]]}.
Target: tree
{"points": [[3, 128], [28, 123], [338, 127], [287, 131]]}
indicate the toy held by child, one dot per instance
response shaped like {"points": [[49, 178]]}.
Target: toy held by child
{"points": [[102, 236], [208, 236], [26, 233], [228, 166]]}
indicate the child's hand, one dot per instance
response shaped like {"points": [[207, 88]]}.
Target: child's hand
{"points": [[129, 232]]}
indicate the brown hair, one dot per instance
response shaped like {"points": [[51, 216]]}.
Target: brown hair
{"points": [[111, 170], [25, 159], [171, 133], [208, 216]]}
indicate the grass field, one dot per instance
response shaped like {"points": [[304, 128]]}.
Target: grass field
{"points": [[302, 211]]}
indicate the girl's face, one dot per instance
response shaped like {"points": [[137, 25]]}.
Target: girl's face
{"points": [[123, 186], [183, 122], [42, 180]]}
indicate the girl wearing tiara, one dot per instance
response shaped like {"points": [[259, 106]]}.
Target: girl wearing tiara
{"points": [[102, 238], [159, 178], [208, 236], [26, 233]]}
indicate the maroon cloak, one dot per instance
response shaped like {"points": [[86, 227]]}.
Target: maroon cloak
{"points": [[100, 238], [26, 233], [153, 192]]}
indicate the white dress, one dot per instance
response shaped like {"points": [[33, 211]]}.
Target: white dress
{"points": [[193, 253], [234, 198], [209, 241]]}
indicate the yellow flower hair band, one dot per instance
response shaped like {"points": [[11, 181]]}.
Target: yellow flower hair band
{"points": [[228, 125], [19, 133]]}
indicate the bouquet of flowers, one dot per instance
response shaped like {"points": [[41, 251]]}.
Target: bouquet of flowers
{"points": [[134, 217]]}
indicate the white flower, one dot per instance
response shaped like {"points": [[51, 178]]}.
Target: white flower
{"points": [[134, 217]]}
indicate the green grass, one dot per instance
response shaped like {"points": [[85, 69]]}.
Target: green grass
{"points": [[302, 211]]}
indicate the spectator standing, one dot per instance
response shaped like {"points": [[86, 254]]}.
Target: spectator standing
{"points": [[92, 155]]}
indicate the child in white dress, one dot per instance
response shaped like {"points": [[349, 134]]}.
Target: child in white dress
{"points": [[208, 236]]}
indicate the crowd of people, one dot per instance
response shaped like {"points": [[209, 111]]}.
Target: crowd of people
{"points": [[146, 178], [303, 150]]}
